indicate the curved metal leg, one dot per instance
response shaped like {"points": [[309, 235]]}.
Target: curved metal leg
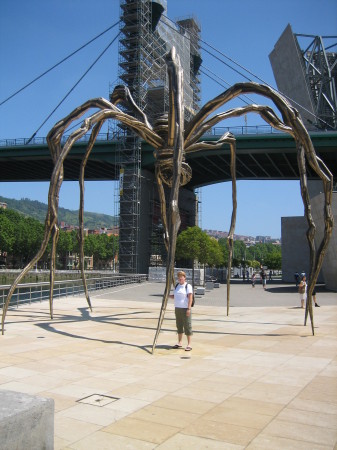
{"points": [[93, 136], [233, 220], [50, 230], [175, 141], [53, 196], [50, 223], [311, 230], [319, 255], [55, 236], [174, 224], [13, 287], [163, 211]]}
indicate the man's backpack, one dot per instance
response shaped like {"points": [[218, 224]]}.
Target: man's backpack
{"points": [[193, 298]]}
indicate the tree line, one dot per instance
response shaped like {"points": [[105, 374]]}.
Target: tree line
{"points": [[195, 244], [21, 237]]}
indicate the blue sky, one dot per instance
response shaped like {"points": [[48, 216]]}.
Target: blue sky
{"points": [[36, 35]]}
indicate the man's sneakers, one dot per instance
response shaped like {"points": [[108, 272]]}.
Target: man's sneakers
{"points": [[317, 306]]}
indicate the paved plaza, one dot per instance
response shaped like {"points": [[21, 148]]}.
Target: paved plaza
{"points": [[256, 379]]}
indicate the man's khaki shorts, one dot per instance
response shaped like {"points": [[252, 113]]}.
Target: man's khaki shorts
{"points": [[184, 323]]}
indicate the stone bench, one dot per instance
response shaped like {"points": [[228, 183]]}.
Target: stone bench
{"points": [[209, 285], [200, 291], [26, 421], [216, 285]]}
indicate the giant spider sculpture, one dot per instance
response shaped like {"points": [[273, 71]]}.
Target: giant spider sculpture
{"points": [[172, 141]]}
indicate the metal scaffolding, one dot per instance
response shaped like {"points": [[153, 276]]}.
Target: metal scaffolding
{"points": [[305, 70], [321, 74], [146, 37]]}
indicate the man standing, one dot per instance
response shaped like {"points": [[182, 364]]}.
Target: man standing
{"points": [[183, 297]]}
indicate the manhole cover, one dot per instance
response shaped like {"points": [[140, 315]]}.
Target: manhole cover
{"points": [[98, 400]]}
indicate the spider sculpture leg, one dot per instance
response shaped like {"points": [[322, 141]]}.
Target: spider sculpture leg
{"points": [[24, 272], [175, 141], [93, 137], [233, 219], [106, 110], [53, 199], [227, 138], [293, 125], [51, 228], [173, 227], [121, 94]]}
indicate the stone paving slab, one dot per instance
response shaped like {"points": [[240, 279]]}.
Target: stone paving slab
{"points": [[256, 379]]}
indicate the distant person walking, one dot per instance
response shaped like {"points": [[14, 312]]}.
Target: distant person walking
{"points": [[314, 297], [297, 278], [253, 279], [263, 277], [302, 290], [270, 275]]}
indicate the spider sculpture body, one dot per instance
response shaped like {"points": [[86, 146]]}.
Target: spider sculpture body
{"points": [[172, 140]]}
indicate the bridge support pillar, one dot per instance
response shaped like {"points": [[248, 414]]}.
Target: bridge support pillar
{"points": [[150, 246], [295, 250]]}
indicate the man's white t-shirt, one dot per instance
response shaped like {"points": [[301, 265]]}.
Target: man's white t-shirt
{"points": [[180, 295]]}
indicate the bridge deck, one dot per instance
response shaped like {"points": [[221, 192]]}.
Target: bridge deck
{"points": [[267, 156]]}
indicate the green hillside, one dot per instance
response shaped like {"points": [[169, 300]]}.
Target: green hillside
{"points": [[38, 211]]}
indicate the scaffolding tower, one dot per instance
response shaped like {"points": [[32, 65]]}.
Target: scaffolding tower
{"points": [[146, 37]]}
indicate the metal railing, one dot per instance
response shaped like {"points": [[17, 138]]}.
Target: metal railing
{"points": [[245, 129], [38, 292], [114, 137], [102, 137], [111, 137]]}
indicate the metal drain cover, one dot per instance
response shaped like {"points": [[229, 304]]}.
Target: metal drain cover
{"points": [[98, 400]]}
